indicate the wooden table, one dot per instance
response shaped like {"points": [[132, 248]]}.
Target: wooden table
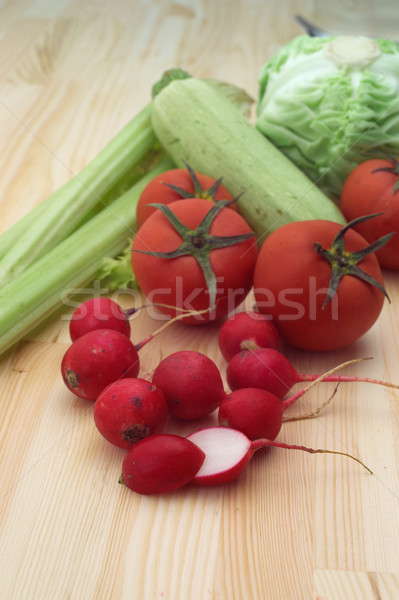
{"points": [[293, 526]]}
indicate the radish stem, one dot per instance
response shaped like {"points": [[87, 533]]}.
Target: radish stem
{"points": [[320, 378], [261, 443], [352, 378], [165, 325]]}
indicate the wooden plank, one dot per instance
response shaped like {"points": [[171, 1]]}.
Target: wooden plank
{"points": [[293, 526]]}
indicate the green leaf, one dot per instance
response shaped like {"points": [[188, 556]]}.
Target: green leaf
{"points": [[117, 273]]}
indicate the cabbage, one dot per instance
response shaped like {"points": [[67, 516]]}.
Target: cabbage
{"points": [[331, 103]]}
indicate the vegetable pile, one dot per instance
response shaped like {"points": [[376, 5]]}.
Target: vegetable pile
{"points": [[80, 232], [132, 412], [195, 206], [182, 257]]}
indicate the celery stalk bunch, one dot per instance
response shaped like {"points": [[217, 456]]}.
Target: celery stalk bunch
{"points": [[122, 162], [27, 300]]}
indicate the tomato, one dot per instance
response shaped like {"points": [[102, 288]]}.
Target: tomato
{"points": [[158, 191], [367, 191], [292, 278], [180, 281]]}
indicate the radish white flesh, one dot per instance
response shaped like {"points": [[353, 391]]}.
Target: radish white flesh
{"points": [[227, 453]]}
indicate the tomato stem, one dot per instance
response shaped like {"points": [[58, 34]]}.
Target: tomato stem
{"points": [[345, 263], [199, 190], [394, 170], [199, 242]]}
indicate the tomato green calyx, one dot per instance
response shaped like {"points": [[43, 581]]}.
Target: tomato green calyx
{"points": [[199, 242], [346, 263], [199, 191], [394, 170]]}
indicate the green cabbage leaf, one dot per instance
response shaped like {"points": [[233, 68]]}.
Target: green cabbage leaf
{"points": [[331, 103]]}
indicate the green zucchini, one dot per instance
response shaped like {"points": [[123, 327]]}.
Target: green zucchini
{"points": [[197, 125]]}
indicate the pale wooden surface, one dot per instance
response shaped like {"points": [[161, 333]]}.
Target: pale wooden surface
{"points": [[294, 526]]}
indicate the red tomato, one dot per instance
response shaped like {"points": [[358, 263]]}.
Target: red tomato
{"points": [[156, 191], [180, 282], [366, 192], [291, 281]]}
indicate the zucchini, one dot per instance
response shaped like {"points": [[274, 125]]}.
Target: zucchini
{"points": [[197, 125]]}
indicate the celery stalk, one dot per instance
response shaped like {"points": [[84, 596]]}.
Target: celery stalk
{"points": [[118, 165], [35, 294]]}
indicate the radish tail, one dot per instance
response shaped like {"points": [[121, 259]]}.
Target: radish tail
{"points": [[317, 380], [314, 413], [257, 444], [349, 378], [165, 325]]}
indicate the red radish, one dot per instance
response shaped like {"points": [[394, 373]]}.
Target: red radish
{"points": [[258, 413], [102, 313], [101, 357], [269, 369], [191, 382], [161, 463], [97, 359], [128, 410], [247, 330], [99, 313], [228, 451]]}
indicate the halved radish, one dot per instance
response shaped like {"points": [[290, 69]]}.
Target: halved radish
{"points": [[228, 451]]}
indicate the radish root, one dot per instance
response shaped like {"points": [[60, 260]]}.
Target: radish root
{"points": [[258, 444], [170, 322], [314, 413], [295, 397]]}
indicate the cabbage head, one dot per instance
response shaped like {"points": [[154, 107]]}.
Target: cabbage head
{"points": [[331, 103]]}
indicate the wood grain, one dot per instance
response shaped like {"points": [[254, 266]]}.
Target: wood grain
{"points": [[293, 526]]}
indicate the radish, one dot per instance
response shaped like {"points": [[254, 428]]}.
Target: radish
{"points": [[228, 451], [103, 313], [161, 463], [258, 413], [269, 369], [247, 330], [100, 357], [99, 313], [191, 382], [97, 359], [128, 410]]}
